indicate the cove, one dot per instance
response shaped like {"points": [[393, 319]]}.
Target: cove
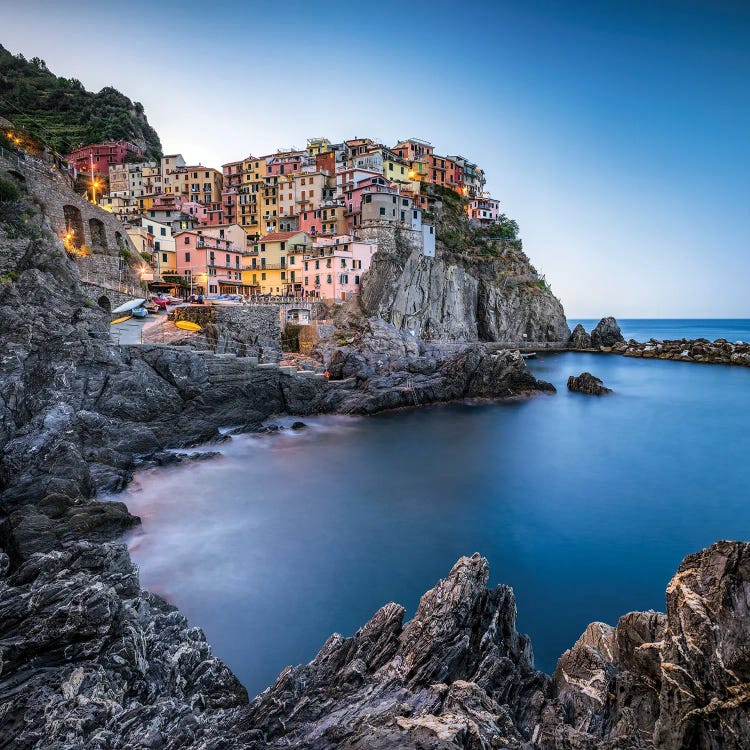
{"points": [[585, 506]]}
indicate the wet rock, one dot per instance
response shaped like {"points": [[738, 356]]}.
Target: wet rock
{"points": [[606, 333], [579, 339], [587, 383], [298, 425]]}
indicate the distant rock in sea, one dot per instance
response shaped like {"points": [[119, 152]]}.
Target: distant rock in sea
{"points": [[587, 383]]}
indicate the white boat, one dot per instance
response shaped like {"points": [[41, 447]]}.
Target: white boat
{"points": [[128, 306]]}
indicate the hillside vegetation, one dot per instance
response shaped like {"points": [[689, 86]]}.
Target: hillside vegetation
{"points": [[63, 114]]}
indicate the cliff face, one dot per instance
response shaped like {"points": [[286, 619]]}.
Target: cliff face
{"points": [[476, 288], [89, 660]]}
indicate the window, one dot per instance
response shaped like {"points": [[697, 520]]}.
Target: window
{"points": [[157, 245], [262, 277], [163, 257], [382, 211], [163, 232], [356, 280], [328, 278], [187, 257], [291, 260], [317, 265], [317, 281], [307, 280]]}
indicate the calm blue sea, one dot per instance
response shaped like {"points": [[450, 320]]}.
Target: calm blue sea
{"points": [[642, 329], [585, 506]]}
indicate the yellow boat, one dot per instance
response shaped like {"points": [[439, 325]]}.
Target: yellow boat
{"points": [[186, 325], [120, 320]]}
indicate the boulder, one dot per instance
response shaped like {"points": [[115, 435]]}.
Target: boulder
{"points": [[587, 383], [606, 333], [579, 339]]}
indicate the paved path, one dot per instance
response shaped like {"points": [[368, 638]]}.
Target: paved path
{"points": [[131, 331]]}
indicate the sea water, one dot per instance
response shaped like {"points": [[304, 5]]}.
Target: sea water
{"points": [[586, 506]]}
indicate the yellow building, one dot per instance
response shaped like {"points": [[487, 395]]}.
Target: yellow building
{"points": [[317, 146], [274, 266], [199, 183], [145, 202], [396, 169]]}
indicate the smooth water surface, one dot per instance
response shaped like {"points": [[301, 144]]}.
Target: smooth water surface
{"points": [[584, 505], [642, 329]]}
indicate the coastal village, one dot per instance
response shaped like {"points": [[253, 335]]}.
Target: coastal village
{"points": [[295, 223]]}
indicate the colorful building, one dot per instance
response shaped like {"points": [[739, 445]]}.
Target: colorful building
{"points": [[212, 265], [334, 268], [170, 165], [330, 218], [100, 156], [121, 207], [198, 183], [484, 210], [274, 264], [162, 247], [379, 206]]}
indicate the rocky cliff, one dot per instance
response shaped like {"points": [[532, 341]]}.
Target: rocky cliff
{"points": [[476, 288], [89, 660]]}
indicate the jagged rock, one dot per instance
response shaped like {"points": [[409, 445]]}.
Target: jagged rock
{"points": [[579, 339], [587, 383], [704, 700], [606, 333], [387, 368]]}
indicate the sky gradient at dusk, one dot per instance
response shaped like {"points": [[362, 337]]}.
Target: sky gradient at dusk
{"points": [[615, 133]]}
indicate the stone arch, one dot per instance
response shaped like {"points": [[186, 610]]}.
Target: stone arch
{"points": [[73, 233], [105, 303], [98, 234], [121, 244]]}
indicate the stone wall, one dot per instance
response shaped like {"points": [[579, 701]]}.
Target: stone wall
{"points": [[96, 232], [392, 237], [245, 330], [106, 298]]}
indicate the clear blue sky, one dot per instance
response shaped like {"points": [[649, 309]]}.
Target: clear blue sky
{"points": [[615, 133]]}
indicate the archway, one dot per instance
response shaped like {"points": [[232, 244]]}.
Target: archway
{"points": [[98, 234], [105, 303], [73, 236], [120, 241]]}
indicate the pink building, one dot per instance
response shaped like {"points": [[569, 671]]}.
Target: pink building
{"points": [[329, 219], [101, 155], [333, 270], [483, 210], [212, 265], [285, 163]]}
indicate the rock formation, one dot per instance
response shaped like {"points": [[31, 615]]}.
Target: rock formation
{"points": [[89, 660], [606, 333], [579, 339], [587, 383], [703, 351], [475, 289]]}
